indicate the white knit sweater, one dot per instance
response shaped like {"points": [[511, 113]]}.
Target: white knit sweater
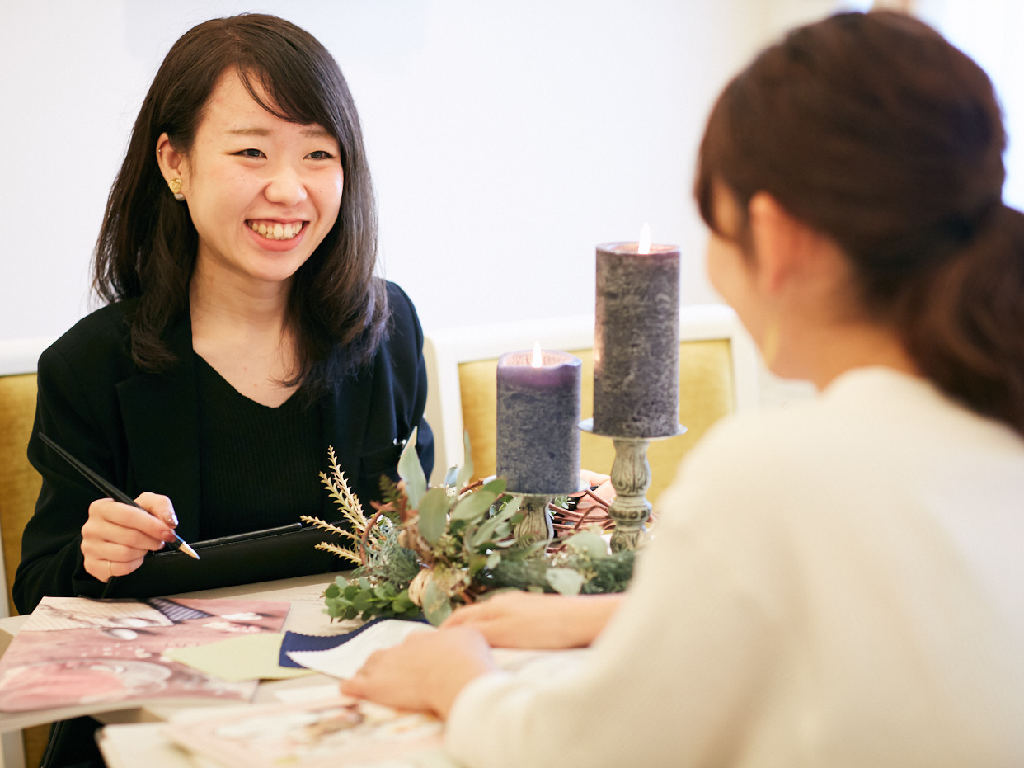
{"points": [[840, 583]]}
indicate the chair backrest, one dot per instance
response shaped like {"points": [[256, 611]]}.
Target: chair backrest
{"points": [[19, 481], [718, 373], [19, 487]]}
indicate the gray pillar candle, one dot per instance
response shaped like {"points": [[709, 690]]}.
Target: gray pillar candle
{"points": [[636, 341], [538, 439]]}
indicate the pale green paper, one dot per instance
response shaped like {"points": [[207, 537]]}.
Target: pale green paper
{"points": [[246, 657]]}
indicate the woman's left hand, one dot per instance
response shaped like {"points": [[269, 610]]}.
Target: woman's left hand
{"points": [[425, 672]]}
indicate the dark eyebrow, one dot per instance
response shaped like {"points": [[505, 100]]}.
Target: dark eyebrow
{"points": [[248, 132], [317, 131], [312, 130]]}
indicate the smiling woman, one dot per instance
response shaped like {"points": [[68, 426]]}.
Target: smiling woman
{"points": [[245, 331], [263, 192]]}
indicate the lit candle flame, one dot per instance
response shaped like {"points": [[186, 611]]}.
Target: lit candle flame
{"points": [[538, 357], [644, 246]]}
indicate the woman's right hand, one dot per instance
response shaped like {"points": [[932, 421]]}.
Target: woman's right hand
{"points": [[532, 620], [117, 536]]}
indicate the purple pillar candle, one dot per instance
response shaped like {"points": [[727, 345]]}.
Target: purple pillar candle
{"points": [[538, 439], [636, 341]]}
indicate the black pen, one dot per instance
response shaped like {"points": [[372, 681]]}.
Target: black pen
{"points": [[112, 491]]}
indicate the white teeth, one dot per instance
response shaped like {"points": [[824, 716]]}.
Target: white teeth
{"points": [[276, 231]]}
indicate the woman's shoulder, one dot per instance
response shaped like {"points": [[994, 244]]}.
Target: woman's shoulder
{"points": [[403, 321], [99, 336], [762, 437], [400, 305], [871, 432], [862, 412]]}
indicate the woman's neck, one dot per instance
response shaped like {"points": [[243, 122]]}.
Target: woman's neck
{"points": [[835, 349], [228, 301], [243, 331]]}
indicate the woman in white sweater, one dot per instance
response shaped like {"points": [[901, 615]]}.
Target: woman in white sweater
{"points": [[840, 583]]}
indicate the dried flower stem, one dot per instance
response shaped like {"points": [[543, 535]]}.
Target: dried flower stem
{"points": [[316, 522], [347, 501], [347, 554]]}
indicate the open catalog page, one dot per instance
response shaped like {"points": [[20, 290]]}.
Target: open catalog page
{"points": [[94, 656], [319, 734]]}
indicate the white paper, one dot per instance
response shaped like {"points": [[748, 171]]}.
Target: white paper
{"points": [[344, 660]]}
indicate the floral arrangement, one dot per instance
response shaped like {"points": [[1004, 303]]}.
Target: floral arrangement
{"points": [[427, 550]]}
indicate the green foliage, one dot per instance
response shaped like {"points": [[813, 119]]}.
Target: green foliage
{"points": [[565, 580], [608, 573], [436, 605], [401, 567], [496, 528], [411, 471], [361, 598], [465, 474], [473, 505], [427, 549], [587, 542], [433, 515]]}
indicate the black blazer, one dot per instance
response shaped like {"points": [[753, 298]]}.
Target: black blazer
{"points": [[140, 431]]}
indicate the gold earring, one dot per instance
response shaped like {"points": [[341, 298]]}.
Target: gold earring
{"points": [[175, 185]]}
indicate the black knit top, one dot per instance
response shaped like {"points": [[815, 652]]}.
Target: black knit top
{"points": [[258, 465]]}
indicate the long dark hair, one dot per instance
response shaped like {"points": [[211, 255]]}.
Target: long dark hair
{"points": [[874, 130], [147, 243]]}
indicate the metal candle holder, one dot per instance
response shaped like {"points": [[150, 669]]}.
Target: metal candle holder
{"points": [[631, 477]]}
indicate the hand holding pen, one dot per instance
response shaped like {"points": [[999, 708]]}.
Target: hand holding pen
{"points": [[121, 530]]}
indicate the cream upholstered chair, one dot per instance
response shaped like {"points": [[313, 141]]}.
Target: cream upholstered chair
{"points": [[718, 374], [19, 487]]}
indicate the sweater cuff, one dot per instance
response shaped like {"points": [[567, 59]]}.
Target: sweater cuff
{"points": [[462, 737]]}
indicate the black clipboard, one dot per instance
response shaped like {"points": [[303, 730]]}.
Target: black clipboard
{"points": [[245, 558]]}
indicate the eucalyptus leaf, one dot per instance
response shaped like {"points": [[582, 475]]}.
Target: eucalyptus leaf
{"points": [[467, 463], [566, 581], [473, 505], [587, 543], [436, 605], [493, 559], [492, 527], [362, 601], [476, 564], [433, 515], [510, 507], [451, 475], [402, 603], [411, 471]]}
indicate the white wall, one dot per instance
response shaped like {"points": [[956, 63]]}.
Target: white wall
{"points": [[506, 137], [990, 33]]}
